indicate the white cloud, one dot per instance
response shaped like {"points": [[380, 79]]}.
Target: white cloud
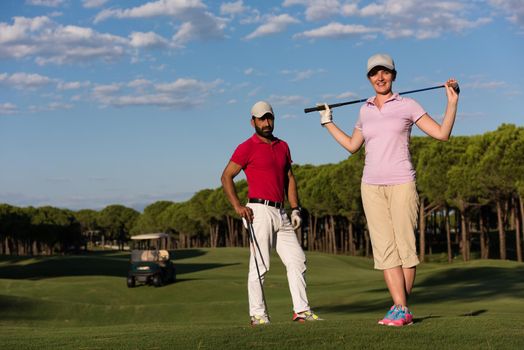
{"points": [[48, 3], [290, 100], [53, 106], [249, 71], [197, 22], [73, 85], [188, 85], [302, 75], [346, 95], [149, 40], [337, 30], [8, 108], [139, 83], [108, 89], [274, 24], [514, 9], [399, 18], [232, 8], [24, 80], [50, 42], [182, 93], [93, 3], [317, 9]]}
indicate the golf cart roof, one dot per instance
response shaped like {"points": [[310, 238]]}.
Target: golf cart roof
{"points": [[150, 236]]}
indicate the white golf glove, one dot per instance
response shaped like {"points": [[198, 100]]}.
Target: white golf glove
{"points": [[296, 219], [326, 116]]}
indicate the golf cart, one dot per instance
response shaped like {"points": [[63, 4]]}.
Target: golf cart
{"points": [[150, 262]]}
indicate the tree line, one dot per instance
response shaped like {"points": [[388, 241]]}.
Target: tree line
{"points": [[470, 189]]}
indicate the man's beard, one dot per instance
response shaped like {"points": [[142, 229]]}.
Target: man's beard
{"points": [[266, 132]]}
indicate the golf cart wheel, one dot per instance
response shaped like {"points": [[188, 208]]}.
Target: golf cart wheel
{"points": [[157, 280], [130, 281]]}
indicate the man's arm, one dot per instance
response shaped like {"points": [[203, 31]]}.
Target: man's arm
{"points": [[292, 193], [233, 169], [292, 197]]}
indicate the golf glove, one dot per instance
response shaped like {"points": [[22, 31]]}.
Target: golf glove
{"points": [[326, 116], [296, 220]]}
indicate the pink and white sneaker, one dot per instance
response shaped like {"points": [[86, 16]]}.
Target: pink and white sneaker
{"points": [[397, 316]]}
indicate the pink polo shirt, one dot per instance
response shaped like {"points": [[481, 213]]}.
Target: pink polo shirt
{"points": [[265, 166], [386, 136]]}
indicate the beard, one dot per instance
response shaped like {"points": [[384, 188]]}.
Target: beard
{"points": [[266, 132]]}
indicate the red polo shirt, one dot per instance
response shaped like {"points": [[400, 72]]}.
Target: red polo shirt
{"points": [[265, 165]]}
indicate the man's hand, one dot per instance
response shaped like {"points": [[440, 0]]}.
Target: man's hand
{"points": [[245, 212], [296, 219], [326, 116]]}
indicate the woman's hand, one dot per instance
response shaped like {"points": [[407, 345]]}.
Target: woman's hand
{"points": [[451, 93]]}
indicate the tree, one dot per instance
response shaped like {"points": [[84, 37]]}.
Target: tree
{"points": [[465, 190], [433, 165], [148, 221], [497, 172], [88, 220], [117, 221]]}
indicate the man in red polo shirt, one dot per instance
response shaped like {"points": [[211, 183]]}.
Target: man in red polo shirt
{"points": [[266, 161]]}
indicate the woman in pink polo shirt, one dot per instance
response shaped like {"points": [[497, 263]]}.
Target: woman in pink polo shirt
{"points": [[389, 194]]}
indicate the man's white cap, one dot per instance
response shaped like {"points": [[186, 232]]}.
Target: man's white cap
{"points": [[382, 60], [260, 108]]}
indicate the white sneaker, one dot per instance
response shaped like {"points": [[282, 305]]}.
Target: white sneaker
{"points": [[306, 316], [258, 320]]}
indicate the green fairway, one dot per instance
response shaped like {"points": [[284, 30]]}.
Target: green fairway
{"points": [[82, 302]]}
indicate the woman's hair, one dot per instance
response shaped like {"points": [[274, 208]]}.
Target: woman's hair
{"points": [[377, 68]]}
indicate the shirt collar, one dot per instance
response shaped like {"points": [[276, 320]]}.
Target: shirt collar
{"points": [[395, 96], [257, 139]]}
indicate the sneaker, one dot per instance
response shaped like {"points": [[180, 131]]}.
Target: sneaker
{"points": [[403, 317], [390, 316], [258, 320], [306, 316]]}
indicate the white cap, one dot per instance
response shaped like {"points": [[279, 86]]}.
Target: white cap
{"points": [[382, 60], [260, 108]]}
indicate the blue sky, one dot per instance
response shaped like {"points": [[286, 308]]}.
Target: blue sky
{"points": [[130, 102]]}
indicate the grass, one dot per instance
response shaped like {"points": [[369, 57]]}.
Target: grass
{"points": [[82, 302]]}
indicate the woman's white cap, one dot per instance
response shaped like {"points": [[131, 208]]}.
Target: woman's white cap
{"points": [[382, 60]]}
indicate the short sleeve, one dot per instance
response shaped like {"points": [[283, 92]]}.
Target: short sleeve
{"points": [[358, 124], [241, 155], [416, 110]]}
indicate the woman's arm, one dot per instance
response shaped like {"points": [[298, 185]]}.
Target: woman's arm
{"points": [[351, 143], [443, 131]]}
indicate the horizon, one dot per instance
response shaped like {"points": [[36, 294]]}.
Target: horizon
{"points": [[130, 102]]}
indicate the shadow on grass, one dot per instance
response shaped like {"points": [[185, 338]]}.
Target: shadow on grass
{"points": [[471, 284], [16, 308], [99, 263], [474, 313], [456, 285]]}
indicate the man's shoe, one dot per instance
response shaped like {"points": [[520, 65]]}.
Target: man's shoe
{"points": [[258, 320], [306, 316]]}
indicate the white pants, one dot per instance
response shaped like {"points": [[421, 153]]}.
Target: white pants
{"points": [[272, 228]]}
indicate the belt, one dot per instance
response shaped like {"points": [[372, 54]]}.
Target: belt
{"points": [[266, 202]]}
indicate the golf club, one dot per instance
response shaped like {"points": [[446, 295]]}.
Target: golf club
{"points": [[253, 241], [321, 108]]}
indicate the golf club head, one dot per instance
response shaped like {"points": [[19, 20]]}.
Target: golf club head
{"points": [[245, 223]]}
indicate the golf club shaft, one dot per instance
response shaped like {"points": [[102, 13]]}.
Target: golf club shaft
{"points": [[253, 241], [321, 108]]}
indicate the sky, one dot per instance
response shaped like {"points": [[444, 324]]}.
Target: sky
{"points": [[130, 102]]}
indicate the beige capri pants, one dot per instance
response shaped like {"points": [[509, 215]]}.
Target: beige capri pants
{"points": [[391, 213]]}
